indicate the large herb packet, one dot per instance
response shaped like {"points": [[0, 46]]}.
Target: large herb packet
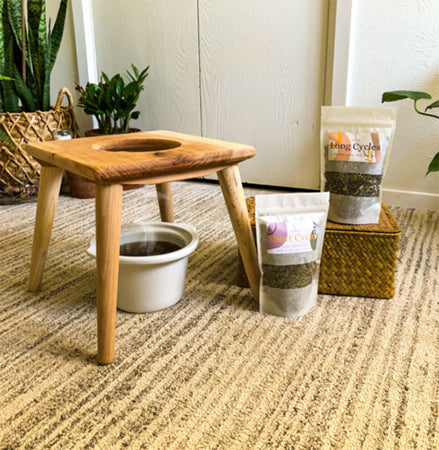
{"points": [[290, 229], [355, 149]]}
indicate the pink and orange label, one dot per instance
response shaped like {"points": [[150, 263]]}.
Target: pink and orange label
{"points": [[291, 237], [355, 147]]}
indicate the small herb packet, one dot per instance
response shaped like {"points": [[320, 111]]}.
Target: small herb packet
{"points": [[355, 149], [290, 229]]}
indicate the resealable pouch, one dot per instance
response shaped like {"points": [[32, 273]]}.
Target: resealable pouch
{"points": [[290, 229], [355, 149]]}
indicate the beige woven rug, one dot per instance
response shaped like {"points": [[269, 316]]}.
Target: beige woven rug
{"points": [[212, 372]]}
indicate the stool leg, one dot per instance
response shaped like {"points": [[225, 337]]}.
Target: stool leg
{"points": [[164, 196], [50, 183], [230, 181], [108, 221]]}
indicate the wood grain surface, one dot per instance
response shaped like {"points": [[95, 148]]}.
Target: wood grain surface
{"points": [[152, 157]]}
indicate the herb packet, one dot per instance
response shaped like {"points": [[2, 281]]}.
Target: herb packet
{"points": [[355, 149], [290, 229]]}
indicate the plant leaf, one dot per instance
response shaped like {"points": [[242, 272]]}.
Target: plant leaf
{"points": [[433, 105], [434, 164], [10, 96], [26, 96], [5, 137], [47, 70], [119, 86], [56, 33], [14, 13], [4, 25], [37, 34], [393, 96], [105, 77]]}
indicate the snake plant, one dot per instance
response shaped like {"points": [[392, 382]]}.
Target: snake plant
{"points": [[28, 50]]}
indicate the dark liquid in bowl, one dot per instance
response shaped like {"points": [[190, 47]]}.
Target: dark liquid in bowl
{"points": [[148, 248]]}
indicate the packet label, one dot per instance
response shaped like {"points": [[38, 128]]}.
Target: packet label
{"points": [[292, 237], [356, 147]]}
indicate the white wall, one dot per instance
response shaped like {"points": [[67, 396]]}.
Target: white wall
{"points": [[395, 46]]}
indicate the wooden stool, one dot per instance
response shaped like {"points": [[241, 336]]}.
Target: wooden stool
{"points": [[158, 158]]}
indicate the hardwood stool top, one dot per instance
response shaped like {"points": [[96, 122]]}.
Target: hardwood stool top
{"points": [[156, 157], [153, 157]]}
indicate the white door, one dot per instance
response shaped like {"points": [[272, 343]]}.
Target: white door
{"points": [[262, 83], [249, 71]]}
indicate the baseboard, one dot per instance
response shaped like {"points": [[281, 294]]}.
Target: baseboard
{"points": [[411, 199], [392, 197]]}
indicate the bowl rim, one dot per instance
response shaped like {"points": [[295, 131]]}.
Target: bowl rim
{"points": [[187, 231]]}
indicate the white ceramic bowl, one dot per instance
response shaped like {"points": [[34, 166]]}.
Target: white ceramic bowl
{"points": [[151, 283]]}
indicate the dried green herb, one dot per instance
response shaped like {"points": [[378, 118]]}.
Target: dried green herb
{"points": [[354, 184], [292, 276]]}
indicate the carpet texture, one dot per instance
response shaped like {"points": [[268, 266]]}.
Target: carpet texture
{"points": [[212, 372]]}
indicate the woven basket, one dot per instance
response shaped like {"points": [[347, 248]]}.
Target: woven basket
{"points": [[17, 168], [357, 260], [360, 260]]}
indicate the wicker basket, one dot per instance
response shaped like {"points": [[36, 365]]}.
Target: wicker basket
{"points": [[357, 260], [17, 168]]}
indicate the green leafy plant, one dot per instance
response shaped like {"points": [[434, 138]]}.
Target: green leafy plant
{"points": [[112, 100], [393, 96], [28, 50]]}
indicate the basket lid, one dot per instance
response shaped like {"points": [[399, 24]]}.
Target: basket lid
{"points": [[387, 222]]}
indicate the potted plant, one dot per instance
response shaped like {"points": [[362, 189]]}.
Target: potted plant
{"points": [[112, 101], [28, 50], [393, 96]]}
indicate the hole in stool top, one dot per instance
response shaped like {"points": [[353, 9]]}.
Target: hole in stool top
{"points": [[138, 145]]}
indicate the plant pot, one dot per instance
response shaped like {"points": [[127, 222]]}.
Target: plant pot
{"points": [[152, 283], [82, 188], [79, 186]]}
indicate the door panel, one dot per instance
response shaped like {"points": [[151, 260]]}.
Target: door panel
{"points": [[163, 35], [262, 83]]}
